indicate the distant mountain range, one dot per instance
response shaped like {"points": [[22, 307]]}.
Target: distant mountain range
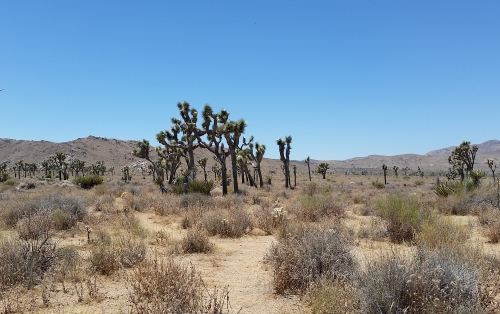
{"points": [[118, 153]]}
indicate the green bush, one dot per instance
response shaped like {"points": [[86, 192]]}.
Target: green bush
{"points": [[405, 217], [379, 185], [196, 186], [88, 182]]}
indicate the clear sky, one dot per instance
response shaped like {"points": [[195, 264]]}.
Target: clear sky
{"points": [[344, 78]]}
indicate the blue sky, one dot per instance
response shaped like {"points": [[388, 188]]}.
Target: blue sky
{"points": [[344, 78]]}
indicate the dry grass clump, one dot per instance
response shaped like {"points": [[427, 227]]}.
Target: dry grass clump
{"points": [[108, 254], [405, 217], [440, 233], [227, 223], [331, 296], [301, 260], [166, 286]]}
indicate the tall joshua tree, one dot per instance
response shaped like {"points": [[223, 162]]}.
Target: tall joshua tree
{"points": [[60, 157], [395, 168], [384, 168], [260, 150], [143, 152], [183, 134], [212, 123], [322, 168], [308, 162], [232, 131], [284, 148]]}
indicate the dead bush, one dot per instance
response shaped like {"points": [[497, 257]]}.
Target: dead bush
{"points": [[333, 296]]}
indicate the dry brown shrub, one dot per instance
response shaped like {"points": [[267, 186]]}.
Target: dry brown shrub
{"points": [[300, 260], [490, 220], [196, 241], [166, 286], [227, 223], [335, 297], [318, 207]]}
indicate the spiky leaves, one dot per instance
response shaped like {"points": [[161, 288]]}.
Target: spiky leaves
{"points": [[260, 150]]}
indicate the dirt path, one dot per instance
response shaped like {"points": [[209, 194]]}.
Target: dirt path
{"points": [[236, 264]]}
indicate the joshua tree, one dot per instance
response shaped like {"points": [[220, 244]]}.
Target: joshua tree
{"points": [[243, 157], [420, 172], [212, 123], [308, 162], [172, 161], [322, 168], [405, 170], [232, 131], [395, 168], [493, 166], [182, 135], [216, 170], [19, 167], [384, 168], [59, 158], [285, 157], [126, 174], [203, 165], [462, 159], [4, 176], [143, 152], [260, 150], [294, 175]]}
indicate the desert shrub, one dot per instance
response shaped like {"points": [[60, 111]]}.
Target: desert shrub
{"points": [[264, 219], [431, 282], [379, 185], [196, 186], [195, 199], [419, 182], [404, 215], [35, 226], [25, 261], [231, 224], [88, 181], [65, 211], [317, 207], [108, 255], [302, 260], [310, 189], [27, 185], [166, 286], [196, 241], [9, 182]]}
